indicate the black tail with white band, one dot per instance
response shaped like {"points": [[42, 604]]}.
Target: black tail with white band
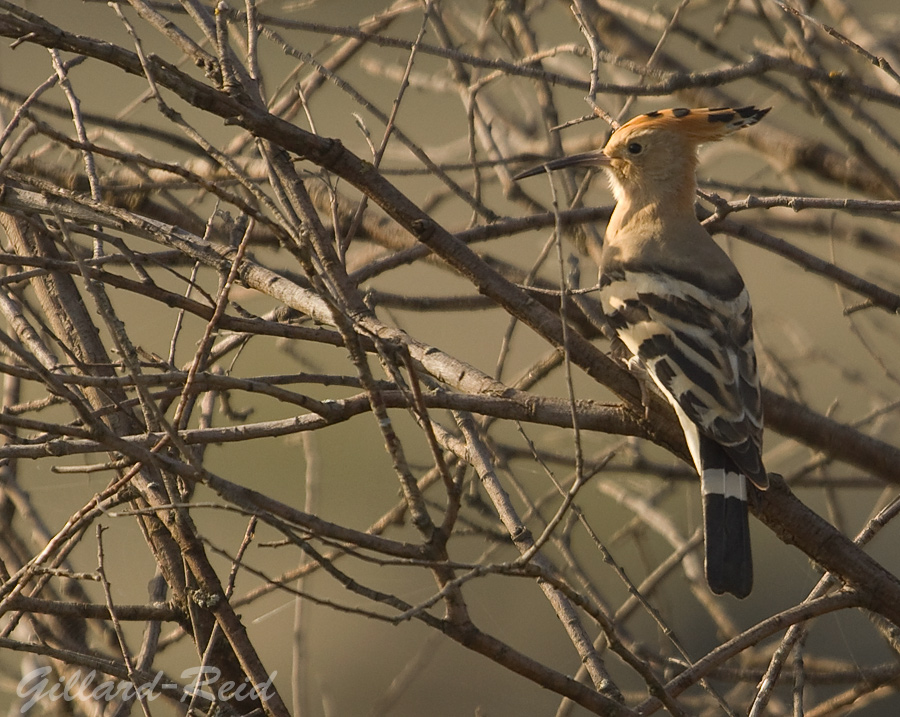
{"points": [[729, 565]]}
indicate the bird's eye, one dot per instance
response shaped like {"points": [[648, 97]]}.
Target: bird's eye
{"points": [[635, 148]]}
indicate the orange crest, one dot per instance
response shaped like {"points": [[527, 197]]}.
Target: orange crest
{"points": [[703, 124]]}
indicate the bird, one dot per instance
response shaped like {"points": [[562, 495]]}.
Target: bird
{"points": [[678, 304]]}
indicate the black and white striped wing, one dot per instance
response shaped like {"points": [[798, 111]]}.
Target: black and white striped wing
{"points": [[697, 346]]}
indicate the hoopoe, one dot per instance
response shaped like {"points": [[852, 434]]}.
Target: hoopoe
{"points": [[676, 301]]}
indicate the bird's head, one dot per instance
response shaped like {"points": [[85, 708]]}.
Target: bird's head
{"points": [[657, 148]]}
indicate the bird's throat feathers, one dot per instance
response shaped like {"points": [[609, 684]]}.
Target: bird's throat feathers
{"points": [[638, 201]]}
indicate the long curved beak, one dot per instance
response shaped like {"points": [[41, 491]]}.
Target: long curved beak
{"points": [[595, 158]]}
